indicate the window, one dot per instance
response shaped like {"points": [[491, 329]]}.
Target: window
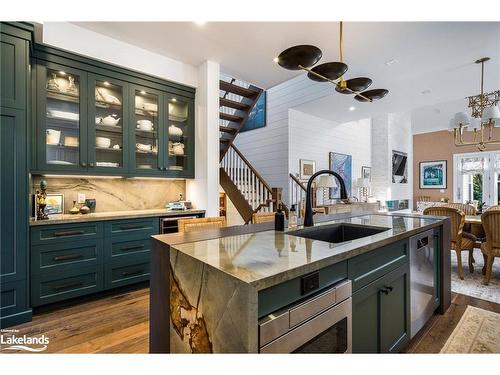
{"points": [[477, 177]]}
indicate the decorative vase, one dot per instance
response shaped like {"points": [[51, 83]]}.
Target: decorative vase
{"points": [[74, 210]]}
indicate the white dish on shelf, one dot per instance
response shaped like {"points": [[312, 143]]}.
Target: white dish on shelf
{"points": [[60, 162], [102, 142], [63, 115], [144, 166], [145, 125], [144, 147], [107, 164], [102, 95]]}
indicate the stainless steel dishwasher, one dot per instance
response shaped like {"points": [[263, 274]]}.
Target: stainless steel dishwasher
{"points": [[423, 284]]}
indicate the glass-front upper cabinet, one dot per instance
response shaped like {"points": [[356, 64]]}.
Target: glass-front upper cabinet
{"points": [[146, 124], [62, 118], [108, 125], [179, 159]]}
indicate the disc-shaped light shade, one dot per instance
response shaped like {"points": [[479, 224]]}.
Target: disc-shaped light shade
{"points": [[330, 70], [475, 124], [371, 94], [304, 55], [491, 113], [461, 118], [355, 84], [326, 181]]}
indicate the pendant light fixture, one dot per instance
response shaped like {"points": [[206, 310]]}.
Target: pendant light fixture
{"points": [[485, 116], [305, 57]]}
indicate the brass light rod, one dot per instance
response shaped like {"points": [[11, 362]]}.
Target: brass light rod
{"points": [[334, 82]]}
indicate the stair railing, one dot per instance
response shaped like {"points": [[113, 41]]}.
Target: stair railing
{"points": [[298, 194], [257, 192]]}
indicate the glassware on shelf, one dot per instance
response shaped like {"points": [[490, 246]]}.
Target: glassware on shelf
{"points": [[72, 89], [52, 83]]}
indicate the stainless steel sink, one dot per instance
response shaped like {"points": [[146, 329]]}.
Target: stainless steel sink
{"points": [[337, 233]]}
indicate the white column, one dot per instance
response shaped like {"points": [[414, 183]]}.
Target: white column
{"points": [[203, 190]]}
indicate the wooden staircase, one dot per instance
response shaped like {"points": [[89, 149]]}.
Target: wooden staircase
{"points": [[236, 103], [245, 187]]}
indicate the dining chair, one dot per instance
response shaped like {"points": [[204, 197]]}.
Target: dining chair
{"points": [[204, 223], [468, 209], [491, 247], [262, 217], [494, 208], [460, 241]]}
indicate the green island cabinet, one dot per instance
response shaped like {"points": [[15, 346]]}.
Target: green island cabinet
{"points": [[15, 42], [96, 118]]}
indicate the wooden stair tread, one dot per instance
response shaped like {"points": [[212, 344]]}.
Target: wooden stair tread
{"points": [[224, 102], [228, 117], [238, 90], [228, 129]]}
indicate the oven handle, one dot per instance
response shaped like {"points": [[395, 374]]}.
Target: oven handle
{"points": [[167, 219], [302, 334]]}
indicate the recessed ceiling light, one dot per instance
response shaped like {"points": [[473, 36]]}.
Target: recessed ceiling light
{"points": [[425, 92], [143, 92], [62, 73], [200, 23], [275, 59], [391, 62], [174, 100], [352, 109], [106, 83]]}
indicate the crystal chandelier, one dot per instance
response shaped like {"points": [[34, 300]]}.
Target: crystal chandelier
{"points": [[484, 117]]}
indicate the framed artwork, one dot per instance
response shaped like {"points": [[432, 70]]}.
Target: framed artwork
{"points": [[399, 167], [433, 174], [55, 204], [306, 169], [366, 172], [257, 117], [342, 164]]}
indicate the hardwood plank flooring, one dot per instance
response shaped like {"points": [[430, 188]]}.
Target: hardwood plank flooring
{"points": [[119, 323]]}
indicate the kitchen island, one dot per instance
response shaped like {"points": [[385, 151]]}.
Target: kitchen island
{"points": [[210, 290]]}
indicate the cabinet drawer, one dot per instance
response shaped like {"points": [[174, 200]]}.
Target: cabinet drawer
{"points": [[368, 267], [139, 227], [124, 249], [66, 256], [127, 272], [56, 286], [63, 233]]}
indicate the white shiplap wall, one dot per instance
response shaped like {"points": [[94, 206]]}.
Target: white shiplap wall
{"points": [[314, 138], [268, 148]]}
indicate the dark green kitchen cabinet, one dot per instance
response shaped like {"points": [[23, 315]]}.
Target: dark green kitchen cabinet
{"points": [[381, 314], [95, 118], [14, 67]]}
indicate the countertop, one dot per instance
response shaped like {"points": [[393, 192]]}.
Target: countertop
{"points": [[112, 215], [268, 257]]}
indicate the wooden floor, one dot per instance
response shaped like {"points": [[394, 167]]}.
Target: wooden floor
{"points": [[120, 323]]}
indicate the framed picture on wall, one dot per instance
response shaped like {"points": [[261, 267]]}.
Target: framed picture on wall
{"points": [[342, 164], [306, 169], [433, 174], [399, 167], [366, 172]]}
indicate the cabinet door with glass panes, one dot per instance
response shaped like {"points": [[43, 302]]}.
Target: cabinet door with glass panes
{"points": [[108, 125], [146, 128], [179, 158], [61, 118]]}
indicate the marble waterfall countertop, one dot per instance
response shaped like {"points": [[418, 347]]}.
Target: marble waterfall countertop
{"points": [[267, 258], [110, 215]]}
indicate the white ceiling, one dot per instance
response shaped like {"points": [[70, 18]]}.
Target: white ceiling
{"points": [[435, 56]]}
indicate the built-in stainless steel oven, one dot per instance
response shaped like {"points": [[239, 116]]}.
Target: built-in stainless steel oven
{"points": [[170, 225], [320, 324]]}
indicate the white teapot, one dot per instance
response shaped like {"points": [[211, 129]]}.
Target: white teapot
{"points": [[110, 120], [178, 148]]}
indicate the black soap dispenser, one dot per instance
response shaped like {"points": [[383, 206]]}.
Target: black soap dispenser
{"points": [[279, 220]]}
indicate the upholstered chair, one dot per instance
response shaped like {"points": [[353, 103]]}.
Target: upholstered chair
{"points": [[490, 248], [459, 243], [205, 223]]}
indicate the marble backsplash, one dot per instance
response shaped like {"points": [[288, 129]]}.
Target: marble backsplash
{"points": [[114, 194]]}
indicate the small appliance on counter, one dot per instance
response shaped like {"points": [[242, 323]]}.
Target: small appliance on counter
{"points": [[179, 206]]}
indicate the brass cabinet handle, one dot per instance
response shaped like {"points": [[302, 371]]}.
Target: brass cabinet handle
{"points": [[68, 233], [132, 273], [67, 286], [128, 248], [131, 226], [67, 257]]}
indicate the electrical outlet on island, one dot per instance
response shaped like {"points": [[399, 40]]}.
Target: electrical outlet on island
{"points": [[81, 198]]}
